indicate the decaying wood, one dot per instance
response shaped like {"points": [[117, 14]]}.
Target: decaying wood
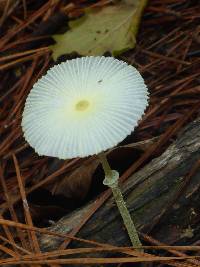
{"points": [[168, 187]]}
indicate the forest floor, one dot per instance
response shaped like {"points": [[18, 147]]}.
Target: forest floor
{"points": [[167, 54]]}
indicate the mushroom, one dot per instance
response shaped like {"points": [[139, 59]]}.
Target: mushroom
{"points": [[83, 107]]}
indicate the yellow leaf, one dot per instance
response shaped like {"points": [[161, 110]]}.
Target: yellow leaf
{"points": [[112, 28]]}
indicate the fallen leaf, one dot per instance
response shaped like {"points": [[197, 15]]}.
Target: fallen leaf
{"points": [[111, 28], [142, 145], [76, 184]]}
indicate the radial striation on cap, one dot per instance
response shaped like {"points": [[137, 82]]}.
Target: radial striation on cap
{"points": [[83, 106]]}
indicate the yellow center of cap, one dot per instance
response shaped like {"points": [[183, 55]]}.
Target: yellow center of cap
{"points": [[82, 105]]}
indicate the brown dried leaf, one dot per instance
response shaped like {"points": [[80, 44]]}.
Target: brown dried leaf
{"points": [[142, 145], [76, 184]]}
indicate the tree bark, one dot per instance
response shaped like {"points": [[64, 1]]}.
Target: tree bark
{"points": [[163, 198]]}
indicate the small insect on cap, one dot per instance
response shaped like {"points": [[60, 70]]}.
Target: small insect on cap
{"points": [[83, 106]]}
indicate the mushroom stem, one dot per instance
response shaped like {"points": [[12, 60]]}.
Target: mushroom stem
{"points": [[111, 180]]}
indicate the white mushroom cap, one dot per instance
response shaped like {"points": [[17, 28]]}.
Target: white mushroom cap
{"points": [[83, 106]]}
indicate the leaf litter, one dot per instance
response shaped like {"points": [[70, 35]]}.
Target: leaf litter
{"points": [[169, 33]]}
